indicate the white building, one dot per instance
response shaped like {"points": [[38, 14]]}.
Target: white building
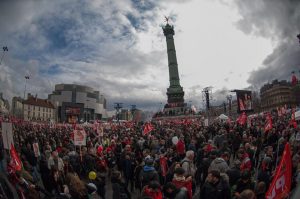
{"points": [[35, 109], [4, 105]]}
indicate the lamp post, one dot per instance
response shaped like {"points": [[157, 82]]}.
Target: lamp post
{"points": [[229, 98], [118, 106], [4, 49], [86, 111], [133, 108], [26, 78]]}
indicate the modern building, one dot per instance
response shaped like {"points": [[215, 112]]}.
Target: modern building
{"points": [[17, 107], [78, 103], [4, 105], [36, 109], [278, 94]]}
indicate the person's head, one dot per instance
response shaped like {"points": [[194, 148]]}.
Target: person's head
{"points": [[149, 161], [190, 155], [213, 176], [116, 176], [54, 154], [241, 153], [245, 176], [247, 146], [247, 194], [260, 188], [179, 171], [170, 190]]}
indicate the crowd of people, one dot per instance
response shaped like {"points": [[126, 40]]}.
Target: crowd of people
{"points": [[176, 159]]}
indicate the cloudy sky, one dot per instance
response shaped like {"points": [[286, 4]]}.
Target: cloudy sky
{"points": [[118, 47]]}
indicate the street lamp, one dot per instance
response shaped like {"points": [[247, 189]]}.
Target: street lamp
{"points": [[118, 106], [229, 98], [26, 78], [86, 111], [4, 49]]}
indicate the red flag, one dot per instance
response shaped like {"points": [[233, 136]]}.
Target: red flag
{"points": [[15, 160], [147, 128], [293, 121], [242, 119], [281, 183], [269, 124]]}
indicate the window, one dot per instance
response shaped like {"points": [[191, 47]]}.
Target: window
{"points": [[39, 108]]}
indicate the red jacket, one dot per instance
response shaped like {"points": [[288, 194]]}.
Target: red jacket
{"points": [[246, 163], [180, 147], [152, 194], [184, 183]]}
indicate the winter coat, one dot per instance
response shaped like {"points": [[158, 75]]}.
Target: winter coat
{"points": [[120, 191], [183, 183], [220, 190], [148, 174]]}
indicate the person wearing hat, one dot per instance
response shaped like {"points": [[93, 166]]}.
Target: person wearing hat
{"points": [[148, 172], [215, 187]]}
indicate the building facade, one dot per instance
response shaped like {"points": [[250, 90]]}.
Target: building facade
{"points": [[17, 107], [278, 94], [35, 109], [4, 105], [77, 103]]}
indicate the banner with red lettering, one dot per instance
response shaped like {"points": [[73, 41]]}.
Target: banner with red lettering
{"points": [[281, 184]]}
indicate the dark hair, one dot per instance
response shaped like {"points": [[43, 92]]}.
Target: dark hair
{"points": [[179, 171], [245, 175], [215, 173]]}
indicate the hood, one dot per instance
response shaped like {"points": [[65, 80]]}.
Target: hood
{"points": [[148, 168], [219, 161]]}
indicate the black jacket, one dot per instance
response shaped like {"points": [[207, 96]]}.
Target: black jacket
{"points": [[219, 190]]}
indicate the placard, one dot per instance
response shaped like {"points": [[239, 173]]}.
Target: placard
{"points": [[79, 138], [7, 135]]}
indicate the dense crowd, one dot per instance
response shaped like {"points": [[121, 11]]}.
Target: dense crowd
{"points": [[177, 159]]}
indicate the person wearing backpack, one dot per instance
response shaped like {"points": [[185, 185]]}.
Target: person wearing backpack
{"points": [[189, 167], [215, 187], [148, 173]]}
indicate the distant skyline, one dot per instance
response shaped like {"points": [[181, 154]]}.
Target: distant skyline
{"points": [[118, 47]]}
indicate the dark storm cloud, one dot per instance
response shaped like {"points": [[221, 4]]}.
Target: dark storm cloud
{"points": [[85, 42], [280, 21]]}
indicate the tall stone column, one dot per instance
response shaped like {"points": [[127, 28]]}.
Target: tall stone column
{"points": [[175, 92]]}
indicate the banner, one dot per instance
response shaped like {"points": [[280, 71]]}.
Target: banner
{"points": [[206, 122], [79, 137], [36, 149], [7, 135], [281, 184]]}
